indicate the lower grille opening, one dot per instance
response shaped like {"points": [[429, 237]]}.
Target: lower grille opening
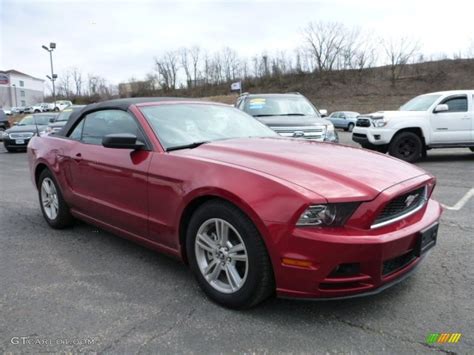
{"points": [[344, 270], [359, 135], [397, 263]]}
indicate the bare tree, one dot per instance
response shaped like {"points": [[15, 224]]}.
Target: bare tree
{"points": [[470, 49], [64, 84], [325, 41], [399, 52], [167, 68], [186, 65], [195, 53], [77, 81]]}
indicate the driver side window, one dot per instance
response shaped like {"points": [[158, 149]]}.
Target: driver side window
{"points": [[456, 104], [98, 124]]}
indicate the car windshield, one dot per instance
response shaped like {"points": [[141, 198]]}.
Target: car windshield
{"points": [[420, 103], [279, 106], [179, 125], [35, 120], [64, 115]]}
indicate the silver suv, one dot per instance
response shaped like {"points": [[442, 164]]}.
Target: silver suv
{"points": [[290, 115]]}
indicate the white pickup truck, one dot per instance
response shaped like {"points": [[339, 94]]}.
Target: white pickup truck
{"points": [[436, 120]]}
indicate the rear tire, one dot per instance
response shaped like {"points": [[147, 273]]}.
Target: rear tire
{"points": [[241, 251], [472, 149], [406, 146], [54, 207]]}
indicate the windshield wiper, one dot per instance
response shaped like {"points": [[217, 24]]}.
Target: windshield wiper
{"points": [[187, 146], [292, 114], [280, 114]]}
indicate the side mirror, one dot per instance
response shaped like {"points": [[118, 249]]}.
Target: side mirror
{"points": [[15, 123], [51, 120], [122, 141], [441, 108], [323, 113]]}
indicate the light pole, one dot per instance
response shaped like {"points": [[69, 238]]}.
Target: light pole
{"points": [[53, 76], [14, 90]]}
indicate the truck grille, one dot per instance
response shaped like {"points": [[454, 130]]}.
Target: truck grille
{"points": [[308, 132], [401, 207], [21, 135], [363, 122]]}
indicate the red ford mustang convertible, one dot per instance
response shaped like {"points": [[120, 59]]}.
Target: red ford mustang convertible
{"points": [[252, 213]]}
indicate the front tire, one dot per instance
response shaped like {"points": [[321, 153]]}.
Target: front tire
{"points": [[54, 207], [350, 127], [406, 146], [228, 257]]}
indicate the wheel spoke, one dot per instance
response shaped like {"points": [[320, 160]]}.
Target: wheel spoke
{"points": [[209, 267], [236, 248], [215, 273], [206, 243], [233, 276], [238, 257], [222, 231], [46, 187]]}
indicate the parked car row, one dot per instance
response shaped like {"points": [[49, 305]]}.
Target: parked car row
{"points": [[38, 107]]}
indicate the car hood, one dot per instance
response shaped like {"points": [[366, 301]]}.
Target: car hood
{"points": [[57, 124], [334, 171], [395, 114], [27, 128], [293, 121]]}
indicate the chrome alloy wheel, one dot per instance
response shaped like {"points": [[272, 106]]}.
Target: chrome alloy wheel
{"points": [[49, 198], [221, 255]]}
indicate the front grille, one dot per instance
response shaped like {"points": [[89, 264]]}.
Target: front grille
{"points": [[397, 263], [363, 122], [21, 135], [312, 132], [401, 207]]}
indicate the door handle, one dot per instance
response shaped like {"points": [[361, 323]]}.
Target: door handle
{"points": [[78, 157]]}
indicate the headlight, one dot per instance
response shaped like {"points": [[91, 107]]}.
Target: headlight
{"points": [[333, 215], [379, 123], [330, 128]]}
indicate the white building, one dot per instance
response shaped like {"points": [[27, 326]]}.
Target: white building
{"points": [[18, 89]]}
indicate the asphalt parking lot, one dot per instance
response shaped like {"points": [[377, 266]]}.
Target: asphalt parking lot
{"points": [[83, 289]]}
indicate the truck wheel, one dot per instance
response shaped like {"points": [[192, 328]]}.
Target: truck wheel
{"points": [[406, 146], [350, 127], [472, 149]]}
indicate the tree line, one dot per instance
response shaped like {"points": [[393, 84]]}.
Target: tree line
{"points": [[325, 47]]}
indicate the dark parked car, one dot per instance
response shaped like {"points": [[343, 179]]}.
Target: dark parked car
{"points": [[18, 136], [251, 212], [290, 115], [4, 124], [62, 118], [344, 119]]}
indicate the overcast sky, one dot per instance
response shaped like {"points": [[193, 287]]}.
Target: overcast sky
{"points": [[118, 39]]}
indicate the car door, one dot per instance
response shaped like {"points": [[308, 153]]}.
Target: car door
{"points": [[334, 118], [113, 181], [455, 124]]}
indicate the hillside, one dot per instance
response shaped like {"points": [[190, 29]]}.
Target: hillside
{"points": [[363, 91]]}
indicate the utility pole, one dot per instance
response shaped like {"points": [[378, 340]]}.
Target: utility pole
{"points": [[53, 77]]}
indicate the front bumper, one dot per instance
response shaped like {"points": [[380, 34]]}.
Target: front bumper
{"points": [[367, 136], [12, 143], [379, 258]]}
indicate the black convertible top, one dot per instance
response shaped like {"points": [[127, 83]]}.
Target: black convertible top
{"points": [[116, 104]]}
